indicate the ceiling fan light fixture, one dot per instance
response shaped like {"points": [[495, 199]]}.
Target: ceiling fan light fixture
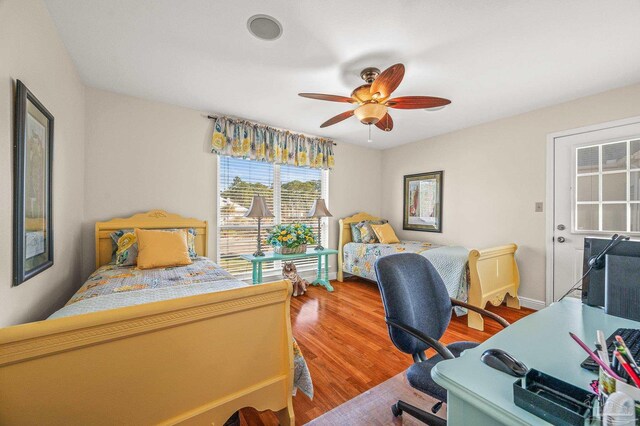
{"points": [[370, 113]]}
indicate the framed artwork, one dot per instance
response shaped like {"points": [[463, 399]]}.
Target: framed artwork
{"points": [[423, 202], [32, 218]]}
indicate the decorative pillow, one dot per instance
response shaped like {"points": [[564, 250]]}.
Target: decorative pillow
{"points": [[385, 234], [355, 233], [125, 246], [157, 249], [366, 232]]}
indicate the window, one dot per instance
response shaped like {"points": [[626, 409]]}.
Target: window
{"points": [[607, 187], [290, 192]]}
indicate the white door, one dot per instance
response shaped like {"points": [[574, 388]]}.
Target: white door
{"points": [[596, 193]]}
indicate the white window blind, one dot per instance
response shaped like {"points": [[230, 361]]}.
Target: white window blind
{"points": [[607, 182], [290, 192]]}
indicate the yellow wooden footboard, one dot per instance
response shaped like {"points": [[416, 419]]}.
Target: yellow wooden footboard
{"points": [[193, 360], [494, 277]]}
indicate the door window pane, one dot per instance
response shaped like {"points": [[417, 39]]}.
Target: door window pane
{"points": [[635, 217], [614, 156], [634, 150], [588, 217], [634, 186], [588, 188], [614, 187], [614, 217], [588, 160]]}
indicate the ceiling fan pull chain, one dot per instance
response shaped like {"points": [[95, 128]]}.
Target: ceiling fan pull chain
{"points": [[369, 140]]}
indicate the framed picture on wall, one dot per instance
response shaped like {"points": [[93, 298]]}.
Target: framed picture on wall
{"points": [[32, 218], [423, 202]]}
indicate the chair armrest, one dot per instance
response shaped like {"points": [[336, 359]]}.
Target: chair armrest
{"points": [[497, 318], [439, 347]]}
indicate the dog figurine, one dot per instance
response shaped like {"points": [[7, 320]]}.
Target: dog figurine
{"points": [[290, 272]]}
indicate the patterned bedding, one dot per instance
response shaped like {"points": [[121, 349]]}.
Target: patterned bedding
{"points": [[112, 286], [449, 261]]}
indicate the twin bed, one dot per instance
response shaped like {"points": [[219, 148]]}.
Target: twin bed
{"points": [[177, 350], [475, 276]]}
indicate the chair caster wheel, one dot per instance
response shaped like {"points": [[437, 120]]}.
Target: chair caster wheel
{"points": [[436, 407], [395, 410]]}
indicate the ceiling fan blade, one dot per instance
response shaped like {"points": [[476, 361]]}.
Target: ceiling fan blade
{"points": [[338, 118], [385, 123], [416, 102], [388, 81], [323, 97]]}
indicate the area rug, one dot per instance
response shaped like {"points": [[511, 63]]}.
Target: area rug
{"points": [[374, 406]]}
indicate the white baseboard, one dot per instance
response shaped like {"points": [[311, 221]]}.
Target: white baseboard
{"points": [[532, 303]]}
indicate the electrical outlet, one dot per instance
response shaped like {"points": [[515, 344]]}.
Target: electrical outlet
{"points": [[538, 207]]}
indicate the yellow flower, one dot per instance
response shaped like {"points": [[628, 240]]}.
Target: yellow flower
{"points": [[330, 161], [285, 155], [283, 232], [279, 238], [218, 141], [236, 146], [302, 158], [246, 146]]}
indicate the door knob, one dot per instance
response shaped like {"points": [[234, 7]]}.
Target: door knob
{"points": [[561, 239]]}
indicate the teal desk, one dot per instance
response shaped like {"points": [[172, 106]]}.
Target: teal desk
{"points": [[256, 264], [480, 395]]}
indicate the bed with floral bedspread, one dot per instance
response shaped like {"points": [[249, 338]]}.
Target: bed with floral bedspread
{"points": [[449, 261], [112, 286]]}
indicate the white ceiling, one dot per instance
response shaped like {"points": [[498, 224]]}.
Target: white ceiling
{"points": [[491, 58]]}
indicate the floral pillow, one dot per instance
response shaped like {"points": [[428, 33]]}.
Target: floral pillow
{"points": [[355, 233], [367, 235], [126, 245]]}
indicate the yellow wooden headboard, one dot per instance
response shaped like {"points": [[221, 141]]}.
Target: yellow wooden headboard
{"points": [[345, 235], [154, 219]]}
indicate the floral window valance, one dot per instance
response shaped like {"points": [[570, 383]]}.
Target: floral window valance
{"points": [[244, 139]]}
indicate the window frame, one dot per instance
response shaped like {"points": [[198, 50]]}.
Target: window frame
{"points": [[600, 173], [277, 183]]}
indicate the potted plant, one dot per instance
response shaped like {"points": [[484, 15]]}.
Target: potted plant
{"points": [[291, 239]]}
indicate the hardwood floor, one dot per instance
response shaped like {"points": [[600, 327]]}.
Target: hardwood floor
{"points": [[344, 339]]}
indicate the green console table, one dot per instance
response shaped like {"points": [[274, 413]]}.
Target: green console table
{"points": [[256, 264]]}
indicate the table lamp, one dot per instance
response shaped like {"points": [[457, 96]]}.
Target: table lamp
{"points": [[259, 210], [319, 210]]}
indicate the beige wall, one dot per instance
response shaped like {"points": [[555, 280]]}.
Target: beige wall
{"points": [[31, 51], [493, 175], [143, 155]]}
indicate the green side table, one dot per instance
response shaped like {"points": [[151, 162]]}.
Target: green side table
{"points": [[256, 264]]}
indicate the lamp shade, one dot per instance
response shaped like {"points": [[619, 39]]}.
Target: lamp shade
{"points": [[319, 209], [370, 113], [258, 208]]}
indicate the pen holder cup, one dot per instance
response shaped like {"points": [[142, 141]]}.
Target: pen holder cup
{"points": [[607, 385]]}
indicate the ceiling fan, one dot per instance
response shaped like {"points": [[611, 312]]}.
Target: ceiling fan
{"points": [[373, 98]]}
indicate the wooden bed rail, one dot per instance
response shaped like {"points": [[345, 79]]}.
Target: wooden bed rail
{"points": [[494, 276], [193, 360]]}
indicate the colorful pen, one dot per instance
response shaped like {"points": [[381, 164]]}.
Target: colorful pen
{"points": [[594, 357], [627, 353], [634, 377], [624, 352]]}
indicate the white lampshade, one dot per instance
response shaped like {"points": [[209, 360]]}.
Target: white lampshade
{"points": [[319, 209], [258, 208], [370, 113]]}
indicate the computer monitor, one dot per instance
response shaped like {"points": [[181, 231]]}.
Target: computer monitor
{"points": [[593, 285]]}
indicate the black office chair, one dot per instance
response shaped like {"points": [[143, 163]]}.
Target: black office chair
{"points": [[418, 311]]}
